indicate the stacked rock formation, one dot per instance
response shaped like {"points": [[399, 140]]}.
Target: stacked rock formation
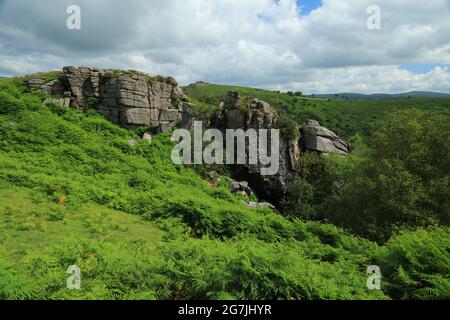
{"points": [[242, 113], [128, 98]]}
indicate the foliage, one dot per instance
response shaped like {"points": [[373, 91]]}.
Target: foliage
{"points": [[400, 182], [288, 128], [202, 110], [397, 183], [417, 265]]}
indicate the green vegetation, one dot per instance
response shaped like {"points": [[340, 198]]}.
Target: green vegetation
{"points": [[345, 117], [202, 110], [74, 192], [117, 74], [400, 181], [45, 76], [288, 128]]}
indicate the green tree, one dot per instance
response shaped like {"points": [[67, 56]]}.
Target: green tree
{"points": [[402, 182]]}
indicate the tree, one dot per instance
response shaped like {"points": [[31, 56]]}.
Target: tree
{"points": [[403, 182]]}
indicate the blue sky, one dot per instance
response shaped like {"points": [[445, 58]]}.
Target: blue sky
{"points": [[422, 68], [308, 5]]}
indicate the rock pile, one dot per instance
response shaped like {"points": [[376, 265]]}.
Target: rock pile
{"points": [[241, 187]]}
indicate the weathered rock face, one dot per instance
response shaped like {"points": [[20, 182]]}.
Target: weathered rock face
{"points": [[320, 139], [128, 98], [235, 113]]}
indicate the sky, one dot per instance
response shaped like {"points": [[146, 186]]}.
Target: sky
{"points": [[310, 46]]}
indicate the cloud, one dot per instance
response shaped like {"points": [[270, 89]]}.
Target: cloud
{"points": [[375, 79], [260, 43]]}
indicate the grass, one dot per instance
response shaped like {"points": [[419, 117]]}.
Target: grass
{"points": [[35, 223], [46, 76]]}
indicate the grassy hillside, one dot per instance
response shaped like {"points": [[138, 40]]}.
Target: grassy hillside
{"points": [[345, 117], [74, 192]]}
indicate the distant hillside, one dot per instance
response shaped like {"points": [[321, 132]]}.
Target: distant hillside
{"points": [[381, 96], [356, 115]]}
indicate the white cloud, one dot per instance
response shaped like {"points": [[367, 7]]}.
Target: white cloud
{"points": [[263, 43], [391, 79]]}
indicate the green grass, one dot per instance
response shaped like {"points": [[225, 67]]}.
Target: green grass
{"points": [[345, 117], [28, 219], [46, 76]]}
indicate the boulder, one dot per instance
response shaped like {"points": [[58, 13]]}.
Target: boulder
{"points": [[54, 87], [135, 116], [148, 136], [320, 139], [133, 142], [241, 187], [259, 205], [266, 205]]}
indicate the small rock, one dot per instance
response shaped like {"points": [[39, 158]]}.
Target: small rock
{"points": [[266, 205], [67, 102], [242, 193], [133, 142], [252, 205], [243, 184], [148, 136], [213, 178], [235, 187]]}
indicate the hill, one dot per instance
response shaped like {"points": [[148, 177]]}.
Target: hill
{"points": [[345, 117], [383, 96]]}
